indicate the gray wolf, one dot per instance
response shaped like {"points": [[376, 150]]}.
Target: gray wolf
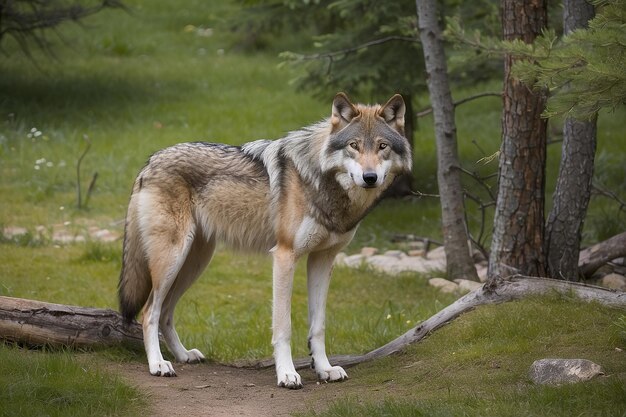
{"points": [[303, 194]]}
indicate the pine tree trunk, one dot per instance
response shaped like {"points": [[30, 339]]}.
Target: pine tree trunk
{"points": [[517, 245], [573, 187], [456, 241]]}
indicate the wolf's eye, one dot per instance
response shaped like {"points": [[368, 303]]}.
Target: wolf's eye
{"points": [[382, 146], [354, 145]]}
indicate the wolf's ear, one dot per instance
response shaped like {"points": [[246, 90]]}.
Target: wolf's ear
{"points": [[343, 112], [393, 113]]}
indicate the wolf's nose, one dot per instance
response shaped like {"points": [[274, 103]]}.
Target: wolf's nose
{"points": [[370, 178]]}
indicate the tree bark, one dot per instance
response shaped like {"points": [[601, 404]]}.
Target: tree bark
{"points": [[455, 234], [518, 234], [39, 323], [496, 292], [573, 186]]}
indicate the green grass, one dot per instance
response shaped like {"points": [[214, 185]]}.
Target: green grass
{"points": [[227, 315], [37, 383], [478, 365]]}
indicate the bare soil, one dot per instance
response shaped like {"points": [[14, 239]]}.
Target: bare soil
{"points": [[217, 390]]}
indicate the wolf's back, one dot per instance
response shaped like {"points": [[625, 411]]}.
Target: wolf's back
{"points": [[135, 283]]}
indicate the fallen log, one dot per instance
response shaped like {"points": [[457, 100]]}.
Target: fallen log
{"points": [[595, 256], [39, 323], [503, 290]]}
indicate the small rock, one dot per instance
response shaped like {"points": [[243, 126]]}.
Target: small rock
{"points": [[437, 253], [354, 261], [105, 235], [614, 281], [416, 252], [387, 264], [481, 270], [416, 245], [465, 285], [42, 232], [340, 259], [13, 231], [369, 251], [444, 285], [395, 254], [563, 371], [62, 236]]}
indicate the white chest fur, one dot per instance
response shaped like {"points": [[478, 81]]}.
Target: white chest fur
{"points": [[311, 237]]}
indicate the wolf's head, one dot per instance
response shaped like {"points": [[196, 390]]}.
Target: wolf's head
{"points": [[367, 142]]}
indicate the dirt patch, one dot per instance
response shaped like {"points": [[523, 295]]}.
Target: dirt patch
{"points": [[216, 390]]}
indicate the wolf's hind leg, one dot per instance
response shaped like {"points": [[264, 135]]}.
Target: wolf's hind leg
{"points": [[319, 268], [198, 258], [164, 267], [167, 241]]}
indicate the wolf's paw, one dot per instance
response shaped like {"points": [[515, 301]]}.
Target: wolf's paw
{"points": [[289, 380], [332, 374], [162, 368], [192, 356]]}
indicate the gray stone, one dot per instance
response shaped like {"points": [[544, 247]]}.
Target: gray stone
{"points": [[465, 285], [444, 285], [416, 245], [394, 266], [104, 235], [395, 254], [481, 270], [340, 259], [614, 281], [354, 261], [63, 236], [417, 252], [369, 251], [437, 253], [563, 371], [13, 231]]}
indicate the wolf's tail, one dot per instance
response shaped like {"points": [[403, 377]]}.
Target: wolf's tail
{"points": [[135, 282]]}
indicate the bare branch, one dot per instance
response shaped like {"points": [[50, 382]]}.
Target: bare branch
{"points": [[420, 194], [501, 291], [351, 50], [429, 110], [610, 194], [80, 160]]}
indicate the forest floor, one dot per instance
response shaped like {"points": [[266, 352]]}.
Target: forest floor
{"points": [[218, 390]]}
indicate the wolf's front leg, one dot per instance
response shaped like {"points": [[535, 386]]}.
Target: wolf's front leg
{"points": [[319, 268], [284, 265]]}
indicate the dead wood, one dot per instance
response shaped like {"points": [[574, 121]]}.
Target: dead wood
{"points": [[39, 323], [595, 256], [509, 289]]}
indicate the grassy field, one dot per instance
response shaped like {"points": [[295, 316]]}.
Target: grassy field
{"points": [[37, 383], [478, 366], [132, 83]]}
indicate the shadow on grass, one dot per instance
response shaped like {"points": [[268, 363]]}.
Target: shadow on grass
{"points": [[78, 96]]}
